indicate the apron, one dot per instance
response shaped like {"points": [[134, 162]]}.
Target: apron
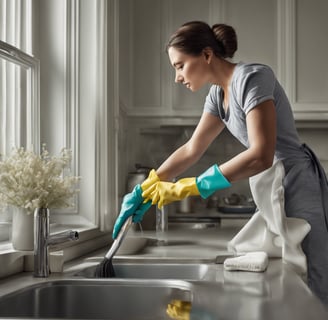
{"points": [[323, 181], [306, 197]]}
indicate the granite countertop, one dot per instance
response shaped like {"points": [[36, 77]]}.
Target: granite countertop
{"points": [[277, 293]]}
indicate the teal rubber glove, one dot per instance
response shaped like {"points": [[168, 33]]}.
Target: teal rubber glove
{"points": [[133, 204], [210, 181], [162, 192]]}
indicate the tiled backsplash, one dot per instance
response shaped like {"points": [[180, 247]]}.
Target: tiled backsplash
{"points": [[151, 147]]}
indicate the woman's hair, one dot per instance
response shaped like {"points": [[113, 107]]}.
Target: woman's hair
{"points": [[192, 37]]}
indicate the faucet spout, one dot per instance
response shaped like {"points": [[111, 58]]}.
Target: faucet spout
{"points": [[62, 237], [43, 239]]}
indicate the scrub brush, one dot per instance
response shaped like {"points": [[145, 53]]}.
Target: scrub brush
{"points": [[105, 269]]}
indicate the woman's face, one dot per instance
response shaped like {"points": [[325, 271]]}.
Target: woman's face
{"points": [[189, 70]]}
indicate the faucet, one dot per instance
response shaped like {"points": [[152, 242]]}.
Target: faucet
{"points": [[42, 241]]}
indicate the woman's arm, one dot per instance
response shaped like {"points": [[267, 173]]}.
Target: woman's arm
{"points": [[208, 128], [261, 127]]}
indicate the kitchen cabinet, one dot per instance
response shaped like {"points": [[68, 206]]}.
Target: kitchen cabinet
{"points": [[310, 70], [287, 35]]}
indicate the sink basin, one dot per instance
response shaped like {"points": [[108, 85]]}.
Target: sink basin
{"points": [[192, 271], [95, 299]]}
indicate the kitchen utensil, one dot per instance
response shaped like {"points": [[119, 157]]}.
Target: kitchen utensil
{"points": [[237, 203], [185, 205], [237, 209], [105, 269], [137, 177], [234, 199]]}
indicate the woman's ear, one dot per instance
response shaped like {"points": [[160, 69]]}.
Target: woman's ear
{"points": [[208, 54]]}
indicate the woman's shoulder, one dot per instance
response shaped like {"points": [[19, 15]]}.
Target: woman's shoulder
{"points": [[243, 69], [252, 73]]}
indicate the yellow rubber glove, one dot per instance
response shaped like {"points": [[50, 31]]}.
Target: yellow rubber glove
{"points": [[162, 193], [151, 180], [179, 310], [184, 310]]}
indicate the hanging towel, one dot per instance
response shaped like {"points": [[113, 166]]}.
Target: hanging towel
{"points": [[269, 229]]}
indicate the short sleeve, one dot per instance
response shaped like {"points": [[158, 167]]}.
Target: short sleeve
{"points": [[255, 86], [211, 103]]}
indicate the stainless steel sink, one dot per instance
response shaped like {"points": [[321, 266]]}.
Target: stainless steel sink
{"points": [[95, 299], [190, 271]]}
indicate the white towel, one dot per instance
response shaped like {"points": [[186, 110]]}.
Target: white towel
{"points": [[252, 261], [269, 229]]}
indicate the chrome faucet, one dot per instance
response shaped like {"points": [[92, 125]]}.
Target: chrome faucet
{"points": [[43, 239]]}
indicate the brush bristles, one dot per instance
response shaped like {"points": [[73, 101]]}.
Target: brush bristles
{"points": [[105, 269]]}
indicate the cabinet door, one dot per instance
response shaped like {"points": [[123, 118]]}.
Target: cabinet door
{"points": [[140, 54], [311, 52]]}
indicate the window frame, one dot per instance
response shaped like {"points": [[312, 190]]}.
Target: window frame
{"points": [[31, 129], [104, 177], [32, 65]]}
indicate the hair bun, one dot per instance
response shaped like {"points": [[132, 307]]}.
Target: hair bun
{"points": [[226, 35]]}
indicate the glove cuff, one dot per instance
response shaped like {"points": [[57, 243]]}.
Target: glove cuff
{"points": [[210, 181]]}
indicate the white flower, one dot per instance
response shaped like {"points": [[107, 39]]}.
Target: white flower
{"points": [[34, 181]]}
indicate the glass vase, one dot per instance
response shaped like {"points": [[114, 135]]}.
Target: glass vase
{"points": [[22, 230]]}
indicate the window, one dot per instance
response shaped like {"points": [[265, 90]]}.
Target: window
{"points": [[19, 86], [77, 101], [19, 99]]}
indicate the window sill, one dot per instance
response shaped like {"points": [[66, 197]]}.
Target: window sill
{"points": [[90, 239]]}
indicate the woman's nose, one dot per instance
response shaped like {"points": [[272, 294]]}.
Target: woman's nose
{"points": [[178, 77]]}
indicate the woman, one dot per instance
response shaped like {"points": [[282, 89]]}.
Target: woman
{"points": [[249, 101]]}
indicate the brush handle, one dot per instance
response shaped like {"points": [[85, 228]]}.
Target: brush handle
{"points": [[117, 242]]}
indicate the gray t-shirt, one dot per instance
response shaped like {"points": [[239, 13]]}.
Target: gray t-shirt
{"points": [[252, 84]]}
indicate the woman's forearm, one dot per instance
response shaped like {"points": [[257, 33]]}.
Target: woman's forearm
{"points": [[208, 128], [178, 162], [245, 165]]}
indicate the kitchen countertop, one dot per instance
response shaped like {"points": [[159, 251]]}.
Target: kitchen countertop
{"points": [[277, 293]]}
